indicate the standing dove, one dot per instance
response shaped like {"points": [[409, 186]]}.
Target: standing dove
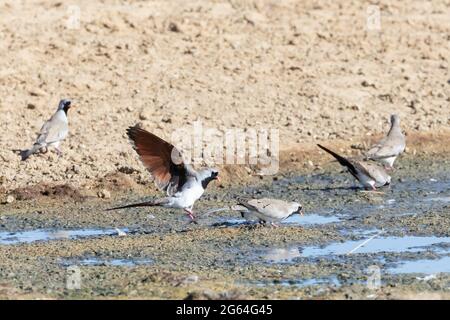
{"points": [[267, 210], [52, 132], [390, 147]]}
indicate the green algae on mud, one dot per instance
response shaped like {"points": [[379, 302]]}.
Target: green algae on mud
{"points": [[215, 259]]}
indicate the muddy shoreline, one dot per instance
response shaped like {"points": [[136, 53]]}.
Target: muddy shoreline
{"points": [[163, 256]]}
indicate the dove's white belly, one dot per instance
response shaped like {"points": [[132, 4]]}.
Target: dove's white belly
{"points": [[187, 197], [366, 181], [370, 182], [389, 161]]}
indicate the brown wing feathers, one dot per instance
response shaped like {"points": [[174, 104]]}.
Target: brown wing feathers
{"points": [[155, 154]]}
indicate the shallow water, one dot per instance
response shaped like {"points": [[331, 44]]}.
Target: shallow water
{"points": [[128, 262], [426, 266], [440, 199], [305, 220], [387, 244], [410, 198], [311, 219], [280, 255], [332, 281], [10, 238], [306, 251]]}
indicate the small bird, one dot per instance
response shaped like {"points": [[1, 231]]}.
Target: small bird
{"points": [[390, 147], [182, 184], [267, 210], [52, 132], [370, 175]]}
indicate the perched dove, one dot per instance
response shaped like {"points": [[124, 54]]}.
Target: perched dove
{"points": [[267, 210], [182, 184], [370, 175], [390, 147], [52, 132]]}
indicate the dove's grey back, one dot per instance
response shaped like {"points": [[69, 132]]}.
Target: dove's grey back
{"points": [[391, 146]]}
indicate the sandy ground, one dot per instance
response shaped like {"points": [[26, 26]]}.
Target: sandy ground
{"points": [[315, 70]]}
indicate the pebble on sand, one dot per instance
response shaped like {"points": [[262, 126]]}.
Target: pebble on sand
{"points": [[9, 199], [104, 194]]}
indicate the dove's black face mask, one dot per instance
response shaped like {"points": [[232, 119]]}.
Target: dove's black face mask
{"points": [[214, 176], [299, 211], [66, 106]]}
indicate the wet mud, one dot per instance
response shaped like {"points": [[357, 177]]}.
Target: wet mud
{"points": [[350, 244]]}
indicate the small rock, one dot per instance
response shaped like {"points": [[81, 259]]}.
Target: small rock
{"points": [[76, 169], [173, 27], [104, 194], [166, 119], [10, 199], [427, 278], [120, 233], [143, 116], [190, 279], [31, 106]]}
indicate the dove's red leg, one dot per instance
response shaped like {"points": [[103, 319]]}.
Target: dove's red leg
{"points": [[189, 213]]}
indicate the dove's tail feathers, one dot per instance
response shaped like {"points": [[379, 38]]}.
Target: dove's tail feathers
{"points": [[26, 153], [151, 203], [343, 161]]}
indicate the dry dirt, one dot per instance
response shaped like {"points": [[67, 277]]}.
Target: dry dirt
{"points": [[312, 69]]}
